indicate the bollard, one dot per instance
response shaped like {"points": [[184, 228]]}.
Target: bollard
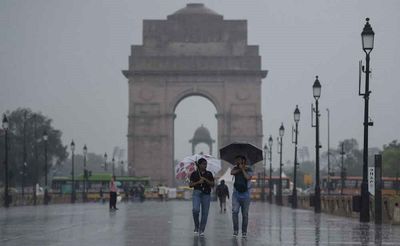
{"points": [[396, 214]]}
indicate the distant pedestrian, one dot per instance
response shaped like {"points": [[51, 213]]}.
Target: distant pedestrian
{"points": [[141, 192], [222, 193], [241, 194], [113, 194], [101, 195], [202, 181]]}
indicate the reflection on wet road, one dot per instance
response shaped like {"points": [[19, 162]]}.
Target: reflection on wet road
{"points": [[170, 223]]}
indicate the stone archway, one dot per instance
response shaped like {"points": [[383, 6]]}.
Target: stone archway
{"points": [[194, 52]]}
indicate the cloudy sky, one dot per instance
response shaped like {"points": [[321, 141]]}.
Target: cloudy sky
{"points": [[64, 58]]}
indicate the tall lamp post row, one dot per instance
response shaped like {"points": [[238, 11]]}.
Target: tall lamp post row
{"points": [[46, 192], [296, 115], [317, 193], [5, 127], [73, 198], [270, 169], [264, 173], [367, 37], [281, 133], [85, 175]]}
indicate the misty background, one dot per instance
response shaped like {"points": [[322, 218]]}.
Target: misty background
{"points": [[64, 59]]}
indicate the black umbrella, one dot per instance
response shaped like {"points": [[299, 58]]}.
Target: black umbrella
{"points": [[251, 152]]}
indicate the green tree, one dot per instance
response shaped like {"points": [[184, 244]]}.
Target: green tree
{"points": [[26, 144], [391, 159]]}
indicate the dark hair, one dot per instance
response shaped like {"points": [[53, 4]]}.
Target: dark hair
{"points": [[222, 181], [201, 160]]}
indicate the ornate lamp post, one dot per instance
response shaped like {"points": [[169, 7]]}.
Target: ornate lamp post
{"points": [[85, 175], [317, 195], [367, 37], [5, 127], [113, 166], [265, 167], [342, 171], [281, 132], [270, 168], [295, 131], [105, 161], [73, 197], [122, 168], [46, 194], [329, 159]]}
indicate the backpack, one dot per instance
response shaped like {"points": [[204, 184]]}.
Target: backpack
{"points": [[240, 183]]}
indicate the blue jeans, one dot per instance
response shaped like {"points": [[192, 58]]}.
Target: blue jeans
{"points": [[237, 203], [200, 200]]}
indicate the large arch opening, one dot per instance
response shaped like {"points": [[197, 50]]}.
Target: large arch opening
{"points": [[191, 113]]}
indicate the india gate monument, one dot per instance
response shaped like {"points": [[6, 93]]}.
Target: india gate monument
{"points": [[194, 52]]}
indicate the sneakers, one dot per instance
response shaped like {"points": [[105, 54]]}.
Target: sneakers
{"points": [[196, 230], [244, 234], [201, 234], [235, 233]]}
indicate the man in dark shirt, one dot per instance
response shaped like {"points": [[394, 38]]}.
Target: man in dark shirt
{"points": [[202, 181]]}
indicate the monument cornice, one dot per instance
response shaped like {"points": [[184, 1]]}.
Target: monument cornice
{"points": [[259, 73]]}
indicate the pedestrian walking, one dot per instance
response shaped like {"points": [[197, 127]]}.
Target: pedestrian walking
{"points": [[241, 194], [202, 181], [222, 193], [113, 194], [101, 195]]}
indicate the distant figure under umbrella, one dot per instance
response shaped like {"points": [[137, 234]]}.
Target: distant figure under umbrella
{"points": [[222, 193], [202, 181]]}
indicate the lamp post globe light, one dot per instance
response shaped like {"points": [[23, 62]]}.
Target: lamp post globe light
{"points": [[5, 127], [317, 194], [367, 37], [281, 133], [72, 172], [270, 184], [295, 131], [264, 170], [46, 192], [85, 175], [105, 161]]}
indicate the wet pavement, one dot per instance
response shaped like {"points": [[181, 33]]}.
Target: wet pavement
{"points": [[170, 223]]}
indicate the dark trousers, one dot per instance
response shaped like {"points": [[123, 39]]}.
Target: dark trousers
{"points": [[113, 199]]}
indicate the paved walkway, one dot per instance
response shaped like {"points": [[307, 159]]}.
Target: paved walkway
{"points": [[170, 223]]}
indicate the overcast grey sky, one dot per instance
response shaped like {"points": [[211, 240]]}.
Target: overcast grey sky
{"points": [[64, 58]]}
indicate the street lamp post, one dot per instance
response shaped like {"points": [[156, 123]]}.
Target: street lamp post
{"points": [[85, 174], [72, 173], [122, 168], [24, 156], [105, 161], [316, 94], [295, 131], [329, 162], [5, 127], [342, 173], [270, 184], [367, 37], [46, 192], [265, 167], [281, 132], [113, 166]]}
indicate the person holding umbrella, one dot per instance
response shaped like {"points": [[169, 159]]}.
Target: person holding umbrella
{"points": [[202, 181], [241, 194]]}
